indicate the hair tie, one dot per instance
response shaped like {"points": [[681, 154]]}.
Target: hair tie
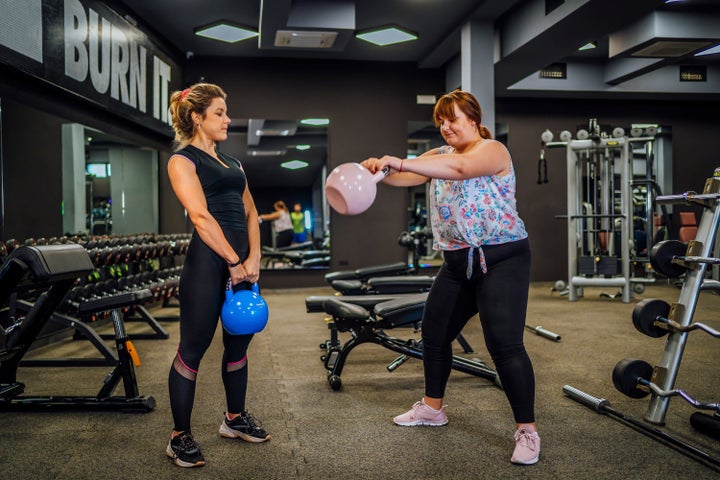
{"points": [[184, 93]]}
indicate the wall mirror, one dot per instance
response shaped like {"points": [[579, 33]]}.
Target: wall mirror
{"points": [[286, 160], [110, 185]]}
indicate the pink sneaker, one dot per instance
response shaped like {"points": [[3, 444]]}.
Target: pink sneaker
{"points": [[527, 447], [421, 414]]}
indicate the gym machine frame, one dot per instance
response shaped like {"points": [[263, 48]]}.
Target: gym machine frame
{"points": [[575, 216], [598, 194]]}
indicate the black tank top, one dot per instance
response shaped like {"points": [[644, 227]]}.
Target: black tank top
{"points": [[223, 186]]}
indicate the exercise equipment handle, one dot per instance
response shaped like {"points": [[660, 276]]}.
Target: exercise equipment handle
{"points": [[679, 393], [597, 404], [672, 325], [543, 332], [379, 175]]}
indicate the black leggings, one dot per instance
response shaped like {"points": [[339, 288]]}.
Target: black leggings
{"points": [[500, 297], [202, 292]]}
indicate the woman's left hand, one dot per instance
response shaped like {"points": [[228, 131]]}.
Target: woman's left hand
{"points": [[374, 164], [393, 163]]}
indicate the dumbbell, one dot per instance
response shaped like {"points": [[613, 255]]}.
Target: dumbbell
{"points": [[12, 244], [669, 257]]}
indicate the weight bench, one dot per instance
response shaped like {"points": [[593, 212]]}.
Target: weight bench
{"points": [[366, 319], [397, 284], [398, 268], [273, 254], [48, 273]]}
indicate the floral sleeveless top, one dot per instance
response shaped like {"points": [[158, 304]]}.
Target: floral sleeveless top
{"points": [[474, 212]]}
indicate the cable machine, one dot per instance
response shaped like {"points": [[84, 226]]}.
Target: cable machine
{"points": [[603, 241]]}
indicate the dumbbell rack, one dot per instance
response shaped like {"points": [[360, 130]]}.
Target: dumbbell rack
{"points": [[665, 373]]}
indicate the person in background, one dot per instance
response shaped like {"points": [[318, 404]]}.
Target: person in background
{"points": [[282, 224], [298, 224], [224, 249], [486, 266]]}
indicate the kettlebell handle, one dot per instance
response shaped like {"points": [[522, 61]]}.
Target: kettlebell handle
{"points": [[242, 286]]}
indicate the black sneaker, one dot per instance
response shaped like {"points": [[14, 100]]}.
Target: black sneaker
{"points": [[243, 426], [185, 451]]}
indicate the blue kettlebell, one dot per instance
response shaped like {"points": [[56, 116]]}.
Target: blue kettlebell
{"points": [[244, 310]]}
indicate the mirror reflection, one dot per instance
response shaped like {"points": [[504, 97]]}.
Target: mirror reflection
{"points": [[286, 165], [422, 136], [110, 186]]}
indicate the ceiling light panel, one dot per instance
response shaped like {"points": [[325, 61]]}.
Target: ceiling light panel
{"points": [[315, 121], [388, 35], [226, 32], [294, 164], [710, 51]]}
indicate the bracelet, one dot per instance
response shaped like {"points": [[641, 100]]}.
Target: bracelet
{"points": [[401, 164], [231, 265]]}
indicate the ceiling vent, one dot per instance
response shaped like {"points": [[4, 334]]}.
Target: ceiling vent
{"points": [[671, 48], [304, 39]]}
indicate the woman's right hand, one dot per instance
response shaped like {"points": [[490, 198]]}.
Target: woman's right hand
{"points": [[237, 274], [372, 164]]}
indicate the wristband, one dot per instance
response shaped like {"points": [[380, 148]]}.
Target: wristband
{"points": [[231, 265]]}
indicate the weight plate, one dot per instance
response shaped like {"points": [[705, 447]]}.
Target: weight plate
{"points": [[662, 254], [626, 373], [646, 312]]}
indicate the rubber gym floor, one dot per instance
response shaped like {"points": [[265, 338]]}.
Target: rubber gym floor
{"points": [[318, 433]]}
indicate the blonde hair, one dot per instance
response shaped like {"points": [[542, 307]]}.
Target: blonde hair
{"points": [[183, 103], [467, 103], [281, 205]]}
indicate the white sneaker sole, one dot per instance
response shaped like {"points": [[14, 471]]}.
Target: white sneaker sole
{"points": [[420, 423], [180, 463], [532, 461], [228, 432]]}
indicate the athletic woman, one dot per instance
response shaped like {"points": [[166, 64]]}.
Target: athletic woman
{"points": [[225, 246]]}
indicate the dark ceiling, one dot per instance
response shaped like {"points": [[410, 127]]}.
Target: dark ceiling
{"points": [[640, 43]]}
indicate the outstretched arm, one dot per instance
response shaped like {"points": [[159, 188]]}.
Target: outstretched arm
{"points": [[489, 157], [270, 216]]}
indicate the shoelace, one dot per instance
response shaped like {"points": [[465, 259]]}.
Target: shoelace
{"points": [[187, 442], [251, 423], [528, 437]]}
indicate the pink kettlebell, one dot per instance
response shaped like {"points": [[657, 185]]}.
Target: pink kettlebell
{"points": [[350, 188]]}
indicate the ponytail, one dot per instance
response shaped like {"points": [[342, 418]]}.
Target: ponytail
{"points": [[484, 132]]}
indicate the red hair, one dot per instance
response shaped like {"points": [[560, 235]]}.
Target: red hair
{"points": [[467, 103]]}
